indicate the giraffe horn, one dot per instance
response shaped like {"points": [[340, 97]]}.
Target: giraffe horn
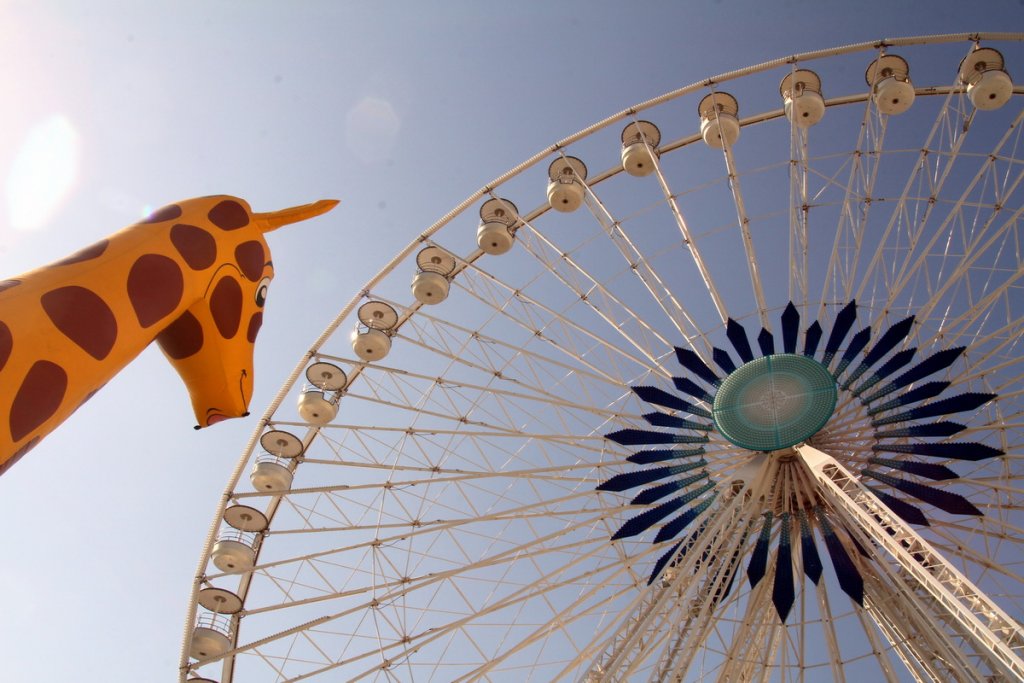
{"points": [[275, 219]]}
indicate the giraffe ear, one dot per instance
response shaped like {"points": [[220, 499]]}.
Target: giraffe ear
{"points": [[275, 219]]}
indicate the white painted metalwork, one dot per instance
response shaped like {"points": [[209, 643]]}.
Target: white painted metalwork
{"points": [[444, 526], [994, 635]]}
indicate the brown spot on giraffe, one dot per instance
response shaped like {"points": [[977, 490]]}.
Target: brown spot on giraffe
{"points": [[226, 306], [182, 338], [196, 246], [167, 213], [83, 317], [6, 343], [155, 287], [229, 215], [255, 323], [38, 397], [87, 254], [251, 259]]}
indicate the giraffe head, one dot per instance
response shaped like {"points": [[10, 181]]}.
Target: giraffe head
{"points": [[211, 343]]}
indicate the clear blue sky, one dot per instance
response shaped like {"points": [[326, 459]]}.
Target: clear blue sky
{"points": [[399, 109]]}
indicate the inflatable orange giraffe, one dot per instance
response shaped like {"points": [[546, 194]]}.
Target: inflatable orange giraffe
{"points": [[193, 277]]}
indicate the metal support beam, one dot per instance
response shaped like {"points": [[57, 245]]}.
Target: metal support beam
{"points": [[995, 638]]}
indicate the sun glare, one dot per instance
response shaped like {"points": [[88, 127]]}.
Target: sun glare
{"points": [[43, 173]]}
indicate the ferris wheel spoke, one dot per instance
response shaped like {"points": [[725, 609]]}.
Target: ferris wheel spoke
{"points": [[575, 611], [485, 418], [566, 268], [413, 586], [959, 330], [874, 632], [929, 186], [689, 239], [563, 360], [721, 539], [640, 265], [539, 319], [394, 532], [453, 399], [908, 633], [799, 203], [743, 220], [410, 532], [960, 274], [844, 258], [753, 641], [579, 610], [540, 474], [978, 559], [496, 434], [909, 268]]}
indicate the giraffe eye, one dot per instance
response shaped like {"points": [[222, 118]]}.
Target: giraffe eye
{"points": [[261, 292]]}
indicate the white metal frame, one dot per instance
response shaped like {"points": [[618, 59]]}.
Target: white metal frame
{"points": [[571, 379]]}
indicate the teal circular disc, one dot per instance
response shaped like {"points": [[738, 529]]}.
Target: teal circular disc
{"points": [[774, 402]]}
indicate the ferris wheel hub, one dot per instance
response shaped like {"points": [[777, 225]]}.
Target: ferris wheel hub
{"points": [[774, 402]]}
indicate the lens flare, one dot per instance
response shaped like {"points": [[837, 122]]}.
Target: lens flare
{"points": [[43, 173], [371, 129]]}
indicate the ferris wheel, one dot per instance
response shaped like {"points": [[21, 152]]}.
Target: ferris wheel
{"points": [[739, 398]]}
